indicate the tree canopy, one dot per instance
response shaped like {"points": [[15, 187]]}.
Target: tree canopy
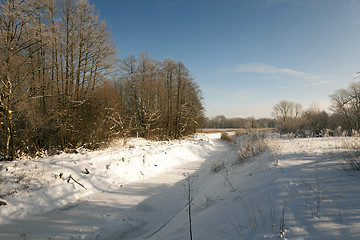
{"points": [[62, 86]]}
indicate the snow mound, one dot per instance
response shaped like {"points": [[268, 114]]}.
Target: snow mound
{"points": [[36, 186], [295, 189]]}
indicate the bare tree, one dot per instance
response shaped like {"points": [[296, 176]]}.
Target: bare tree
{"points": [[54, 54], [17, 41], [317, 120], [161, 98], [169, 68], [287, 113], [286, 110], [346, 103]]}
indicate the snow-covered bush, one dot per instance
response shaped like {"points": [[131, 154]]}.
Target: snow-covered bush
{"points": [[352, 156], [250, 146], [226, 136]]}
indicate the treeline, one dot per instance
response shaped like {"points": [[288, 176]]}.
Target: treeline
{"points": [[288, 117], [221, 122], [61, 85], [291, 117], [344, 119]]}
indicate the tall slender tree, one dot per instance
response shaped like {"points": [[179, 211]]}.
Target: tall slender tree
{"points": [[17, 47]]}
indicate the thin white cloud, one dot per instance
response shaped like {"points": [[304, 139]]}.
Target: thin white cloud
{"points": [[317, 83], [261, 68], [241, 94]]}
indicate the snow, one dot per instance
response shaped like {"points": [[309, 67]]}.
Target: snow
{"points": [[298, 189]]}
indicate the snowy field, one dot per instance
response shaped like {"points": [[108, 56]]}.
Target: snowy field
{"points": [[299, 189]]}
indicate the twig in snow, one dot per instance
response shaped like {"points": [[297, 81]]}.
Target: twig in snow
{"points": [[70, 177], [282, 219], [337, 204], [272, 212], [250, 215], [238, 222], [226, 176]]}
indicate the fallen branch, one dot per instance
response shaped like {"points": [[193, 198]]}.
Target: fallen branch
{"points": [[70, 177]]}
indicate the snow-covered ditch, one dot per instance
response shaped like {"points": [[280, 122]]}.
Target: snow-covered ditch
{"points": [[298, 189]]}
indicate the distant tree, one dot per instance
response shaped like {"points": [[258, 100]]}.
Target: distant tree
{"points": [[223, 122], [252, 123], [316, 120], [286, 110], [219, 121], [266, 122], [287, 113]]}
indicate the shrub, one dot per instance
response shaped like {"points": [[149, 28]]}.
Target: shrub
{"points": [[352, 156], [251, 146], [227, 137]]}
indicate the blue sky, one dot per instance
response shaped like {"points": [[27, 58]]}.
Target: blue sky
{"points": [[246, 55]]}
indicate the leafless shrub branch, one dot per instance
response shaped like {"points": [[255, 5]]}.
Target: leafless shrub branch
{"points": [[352, 155], [251, 146]]}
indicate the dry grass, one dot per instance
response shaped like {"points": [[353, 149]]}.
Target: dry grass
{"points": [[352, 156], [251, 146], [227, 137], [248, 146], [245, 131], [21, 176]]}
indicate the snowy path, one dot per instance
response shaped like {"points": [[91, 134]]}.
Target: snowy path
{"points": [[299, 190], [136, 210]]}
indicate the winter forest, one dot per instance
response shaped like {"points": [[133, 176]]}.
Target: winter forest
{"points": [[63, 87], [291, 117]]}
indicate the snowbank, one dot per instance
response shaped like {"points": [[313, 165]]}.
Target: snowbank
{"points": [[37, 186], [297, 189]]}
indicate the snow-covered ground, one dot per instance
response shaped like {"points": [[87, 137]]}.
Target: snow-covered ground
{"points": [[299, 189]]}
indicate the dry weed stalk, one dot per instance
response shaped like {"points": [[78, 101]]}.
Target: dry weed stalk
{"points": [[251, 146], [352, 155], [188, 189]]}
